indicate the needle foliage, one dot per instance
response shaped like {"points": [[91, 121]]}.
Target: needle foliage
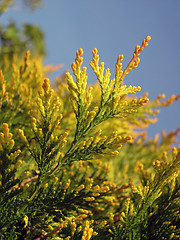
{"points": [[75, 162]]}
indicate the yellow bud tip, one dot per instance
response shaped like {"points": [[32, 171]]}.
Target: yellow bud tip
{"points": [[5, 126], [84, 69], [67, 74], [33, 120], [102, 64], [73, 66], [94, 51], [46, 84], [27, 53], [148, 38], [6, 129], [128, 138], [80, 51], [46, 80], [121, 57], [137, 60]]}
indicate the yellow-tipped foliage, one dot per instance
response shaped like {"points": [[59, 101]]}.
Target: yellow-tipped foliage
{"points": [[75, 160]]}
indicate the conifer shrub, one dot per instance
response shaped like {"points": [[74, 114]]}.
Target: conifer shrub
{"points": [[75, 162]]}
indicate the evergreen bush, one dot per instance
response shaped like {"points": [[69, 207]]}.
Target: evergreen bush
{"points": [[73, 161]]}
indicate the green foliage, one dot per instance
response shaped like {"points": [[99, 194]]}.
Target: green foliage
{"points": [[72, 165], [16, 41]]}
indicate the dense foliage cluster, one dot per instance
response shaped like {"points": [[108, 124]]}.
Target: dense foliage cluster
{"points": [[75, 162]]}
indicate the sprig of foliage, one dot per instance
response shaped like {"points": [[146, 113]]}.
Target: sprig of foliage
{"points": [[157, 195], [112, 92]]}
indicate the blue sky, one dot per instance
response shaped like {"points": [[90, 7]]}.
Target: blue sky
{"points": [[115, 27]]}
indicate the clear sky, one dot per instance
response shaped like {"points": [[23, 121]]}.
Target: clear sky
{"points": [[115, 27]]}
